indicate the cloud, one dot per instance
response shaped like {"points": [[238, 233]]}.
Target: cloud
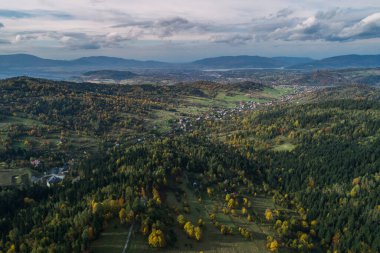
{"points": [[3, 41], [25, 37], [234, 40], [333, 25], [283, 13], [368, 27], [76, 40], [15, 14], [80, 27], [166, 27]]}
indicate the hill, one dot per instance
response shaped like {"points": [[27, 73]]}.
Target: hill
{"points": [[336, 77], [29, 65], [339, 62], [25, 61], [109, 62], [300, 176], [245, 61]]}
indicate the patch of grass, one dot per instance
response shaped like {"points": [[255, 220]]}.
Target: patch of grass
{"points": [[233, 99], [112, 239], [11, 177], [192, 110], [20, 120], [161, 120], [277, 91], [200, 101], [284, 147]]}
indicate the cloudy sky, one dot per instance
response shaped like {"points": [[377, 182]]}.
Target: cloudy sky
{"points": [[178, 30]]}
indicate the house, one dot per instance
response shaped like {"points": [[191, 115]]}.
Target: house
{"points": [[54, 180], [35, 163]]}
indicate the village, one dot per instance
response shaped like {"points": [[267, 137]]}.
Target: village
{"points": [[186, 124]]}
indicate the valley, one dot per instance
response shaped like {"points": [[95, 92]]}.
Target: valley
{"points": [[240, 164], [200, 126]]}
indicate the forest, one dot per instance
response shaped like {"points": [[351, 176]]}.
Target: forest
{"points": [[301, 176]]}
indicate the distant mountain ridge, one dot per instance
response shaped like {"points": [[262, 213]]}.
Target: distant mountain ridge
{"points": [[31, 61], [343, 61], [25, 64], [246, 61]]}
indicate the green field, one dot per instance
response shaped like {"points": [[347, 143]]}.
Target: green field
{"points": [[284, 147], [9, 177], [112, 240]]}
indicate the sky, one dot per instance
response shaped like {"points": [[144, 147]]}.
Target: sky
{"points": [[180, 31]]}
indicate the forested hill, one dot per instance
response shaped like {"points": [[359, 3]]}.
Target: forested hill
{"points": [[323, 160], [301, 176]]}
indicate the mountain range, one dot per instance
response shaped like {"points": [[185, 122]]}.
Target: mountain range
{"points": [[343, 61], [24, 64]]}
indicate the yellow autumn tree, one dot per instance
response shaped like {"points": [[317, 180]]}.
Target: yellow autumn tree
{"points": [[355, 190], [156, 239], [230, 203], [272, 244], [268, 215], [245, 233], [284, 228], [245, 201], [189, 229], [314, 223], [223, 230], [95, 207], [209, 191], [198, 233], [156, 196], [181, 219], [122, 215], [130, 217], [144, 227], [356, 181], [121, 201], [12, 249], [303, 237]]}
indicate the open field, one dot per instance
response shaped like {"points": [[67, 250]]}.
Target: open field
{"points": [[212, 240], [284, 147], [9, 177], [112, 240]]}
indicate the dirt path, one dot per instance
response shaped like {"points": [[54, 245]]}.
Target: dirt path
{"points": [[129, 236]]}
